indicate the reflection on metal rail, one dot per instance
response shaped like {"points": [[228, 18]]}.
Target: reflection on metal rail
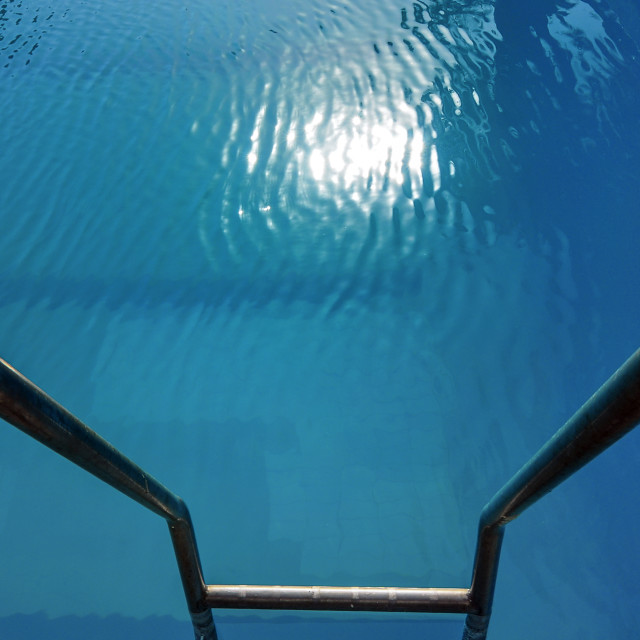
{"points": [[606, 417], [31, 410]]}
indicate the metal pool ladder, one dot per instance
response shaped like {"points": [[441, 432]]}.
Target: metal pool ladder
{"points": [[608, 415]]}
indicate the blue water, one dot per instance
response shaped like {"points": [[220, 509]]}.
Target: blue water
{"points": [[331, 271]]}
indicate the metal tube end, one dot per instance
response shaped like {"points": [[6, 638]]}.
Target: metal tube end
{"points": [[203, 625], [475, 627]]}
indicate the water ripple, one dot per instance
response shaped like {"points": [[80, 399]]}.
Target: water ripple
{"points": [[225, 214], [334, 137]]}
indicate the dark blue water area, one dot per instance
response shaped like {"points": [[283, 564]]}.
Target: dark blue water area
{"points": [[38, 625], [578, 174], [331, 271], [25, 627]]}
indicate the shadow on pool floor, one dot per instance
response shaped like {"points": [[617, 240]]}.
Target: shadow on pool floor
{"points": [[40, 627]]}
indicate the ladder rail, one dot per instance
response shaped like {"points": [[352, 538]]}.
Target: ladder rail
{"points": [[606, 417], [35, 413]]}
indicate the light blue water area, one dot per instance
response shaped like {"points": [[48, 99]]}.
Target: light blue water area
{"points": [[331, 271]]}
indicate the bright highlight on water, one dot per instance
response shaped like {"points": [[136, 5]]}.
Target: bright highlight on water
{"points": [[331, 271]]}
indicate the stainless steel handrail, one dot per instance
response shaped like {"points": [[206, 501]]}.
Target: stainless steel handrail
{"points": [[610, 413], [390, 599], [31, 410]]}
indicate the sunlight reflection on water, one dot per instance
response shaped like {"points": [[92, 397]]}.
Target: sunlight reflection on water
{"points": [[329, 257]]}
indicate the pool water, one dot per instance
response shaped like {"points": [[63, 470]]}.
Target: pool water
{"points": [[331, 271]]}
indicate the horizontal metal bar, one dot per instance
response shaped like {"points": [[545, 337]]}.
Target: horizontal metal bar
{"points": [[607, 416], [31, 410], [338, 598]]}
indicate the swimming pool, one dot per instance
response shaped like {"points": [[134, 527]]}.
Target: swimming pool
{"points": [[332, 272]]}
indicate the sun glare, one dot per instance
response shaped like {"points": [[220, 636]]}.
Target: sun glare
{"points": [[364, 155]]}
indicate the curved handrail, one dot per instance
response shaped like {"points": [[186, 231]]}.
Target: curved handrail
{"points": [[27, 407], [609, 414]]}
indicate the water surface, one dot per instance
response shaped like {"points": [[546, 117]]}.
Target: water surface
{"points": [[330, 271]]}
